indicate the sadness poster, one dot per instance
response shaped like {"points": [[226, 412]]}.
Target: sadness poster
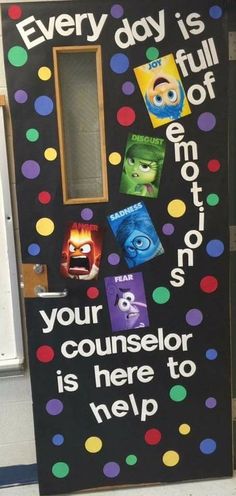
{"points": [[130, 366]]}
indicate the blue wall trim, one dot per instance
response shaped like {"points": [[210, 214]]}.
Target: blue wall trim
{"points": [[19, 474]]}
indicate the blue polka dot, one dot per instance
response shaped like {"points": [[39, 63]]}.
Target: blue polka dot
{"points": [[34, 249], [208, 446], [58, 439], [216, 12], [215, 248], [43, 105], [119, 63], [211, 354]]}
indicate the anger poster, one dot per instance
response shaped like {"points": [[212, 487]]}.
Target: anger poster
{"points": [[130, 370]]}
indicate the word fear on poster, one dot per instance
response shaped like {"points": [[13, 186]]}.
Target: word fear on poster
{"points": [[118, 377]]}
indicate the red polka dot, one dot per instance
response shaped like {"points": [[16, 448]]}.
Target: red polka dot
{"points": [[44, 197], [126, 116], [208, 284], [45, 354], [92, 293], [15, 12], [214, 165], [152, 436]]}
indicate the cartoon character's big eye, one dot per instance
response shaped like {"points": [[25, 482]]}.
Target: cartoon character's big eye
{"points": [[123, 305], [72, 248], [144, 167], [157, 100], [85, 248], [131, 161], [141, 242], [172, 95], [129, 296]]}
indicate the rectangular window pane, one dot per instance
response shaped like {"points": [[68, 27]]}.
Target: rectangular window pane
{"points": [[79, 94]]}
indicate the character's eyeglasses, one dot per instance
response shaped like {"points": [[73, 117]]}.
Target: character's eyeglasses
{"points": [[139, 243]]}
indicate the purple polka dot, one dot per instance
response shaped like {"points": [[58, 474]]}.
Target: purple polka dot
{"points": [[216, 12], [54, 407], [211, 403], [30, 169], [113, 259], [21, 96], [87, 214], [211, 354], [128, 88], [194, 317], [33, 249], [43, 105], [206, 121], [119, 63], [111, 469], [168, 229], [117, 11]]}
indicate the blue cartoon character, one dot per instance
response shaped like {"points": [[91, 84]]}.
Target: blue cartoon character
{"points": [[165, 96]]}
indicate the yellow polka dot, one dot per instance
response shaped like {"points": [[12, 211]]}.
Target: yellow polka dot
{"points": [[115, 158], [170, 458], [184, 429], [176, 208], [93, 444], [50, 154], [44, 73], [45, 226]]}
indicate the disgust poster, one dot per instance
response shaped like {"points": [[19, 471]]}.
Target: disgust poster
{"points": [[130, 371]]}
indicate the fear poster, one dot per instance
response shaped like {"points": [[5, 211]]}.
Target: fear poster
{"points": [[119, 120]]}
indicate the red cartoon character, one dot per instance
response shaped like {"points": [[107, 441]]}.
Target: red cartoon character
{"points": [[81, 252]]}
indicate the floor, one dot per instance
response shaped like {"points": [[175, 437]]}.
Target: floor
{"points": [[223, 487]]}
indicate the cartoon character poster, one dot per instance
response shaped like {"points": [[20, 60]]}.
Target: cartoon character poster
{"points": [[162, 90], [81, 251], [127, 302], [136, 234], [143, 162]]}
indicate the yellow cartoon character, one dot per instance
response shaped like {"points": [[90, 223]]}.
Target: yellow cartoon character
{"points": [[165, 96]]}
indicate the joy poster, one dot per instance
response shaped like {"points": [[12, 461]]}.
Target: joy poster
{"points": [[131, 370]]}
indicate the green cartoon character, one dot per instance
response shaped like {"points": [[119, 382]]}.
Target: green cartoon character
{"points": [[142, 169]]}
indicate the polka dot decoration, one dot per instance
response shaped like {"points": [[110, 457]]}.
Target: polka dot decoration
{"points": [[214, 165], [50, 154], [194, 317], [33, 249], [32, 135], [114, 158], [21, 96], [209, 284], [128, 88], [206, 121], [216, 12], [113, 259], [211, 354], [176, 208], [117, 11], [45, 354], [152, 437], [87, 214], [184, 429], [152, 53], [45, 226], [211, 403], [44, 197], [44, 73], [58, 439], [92, 293], [119, 63], [111, 470], [30, 169], [93, 444], [170, 458], [131, 460], [161, 295], [126, 116], [15, 12], [43, 105], [17, 56], [168, 229], [208, 446], [215, 248], [178, 393], [60, 470], [54, 407], [213, 199]]}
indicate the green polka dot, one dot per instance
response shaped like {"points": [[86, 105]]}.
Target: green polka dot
{"points": [[60, 470], [161, 295], [131, 460], [178, 393], [213, 200], [152, 53], [17, 56], [32, 134]]}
